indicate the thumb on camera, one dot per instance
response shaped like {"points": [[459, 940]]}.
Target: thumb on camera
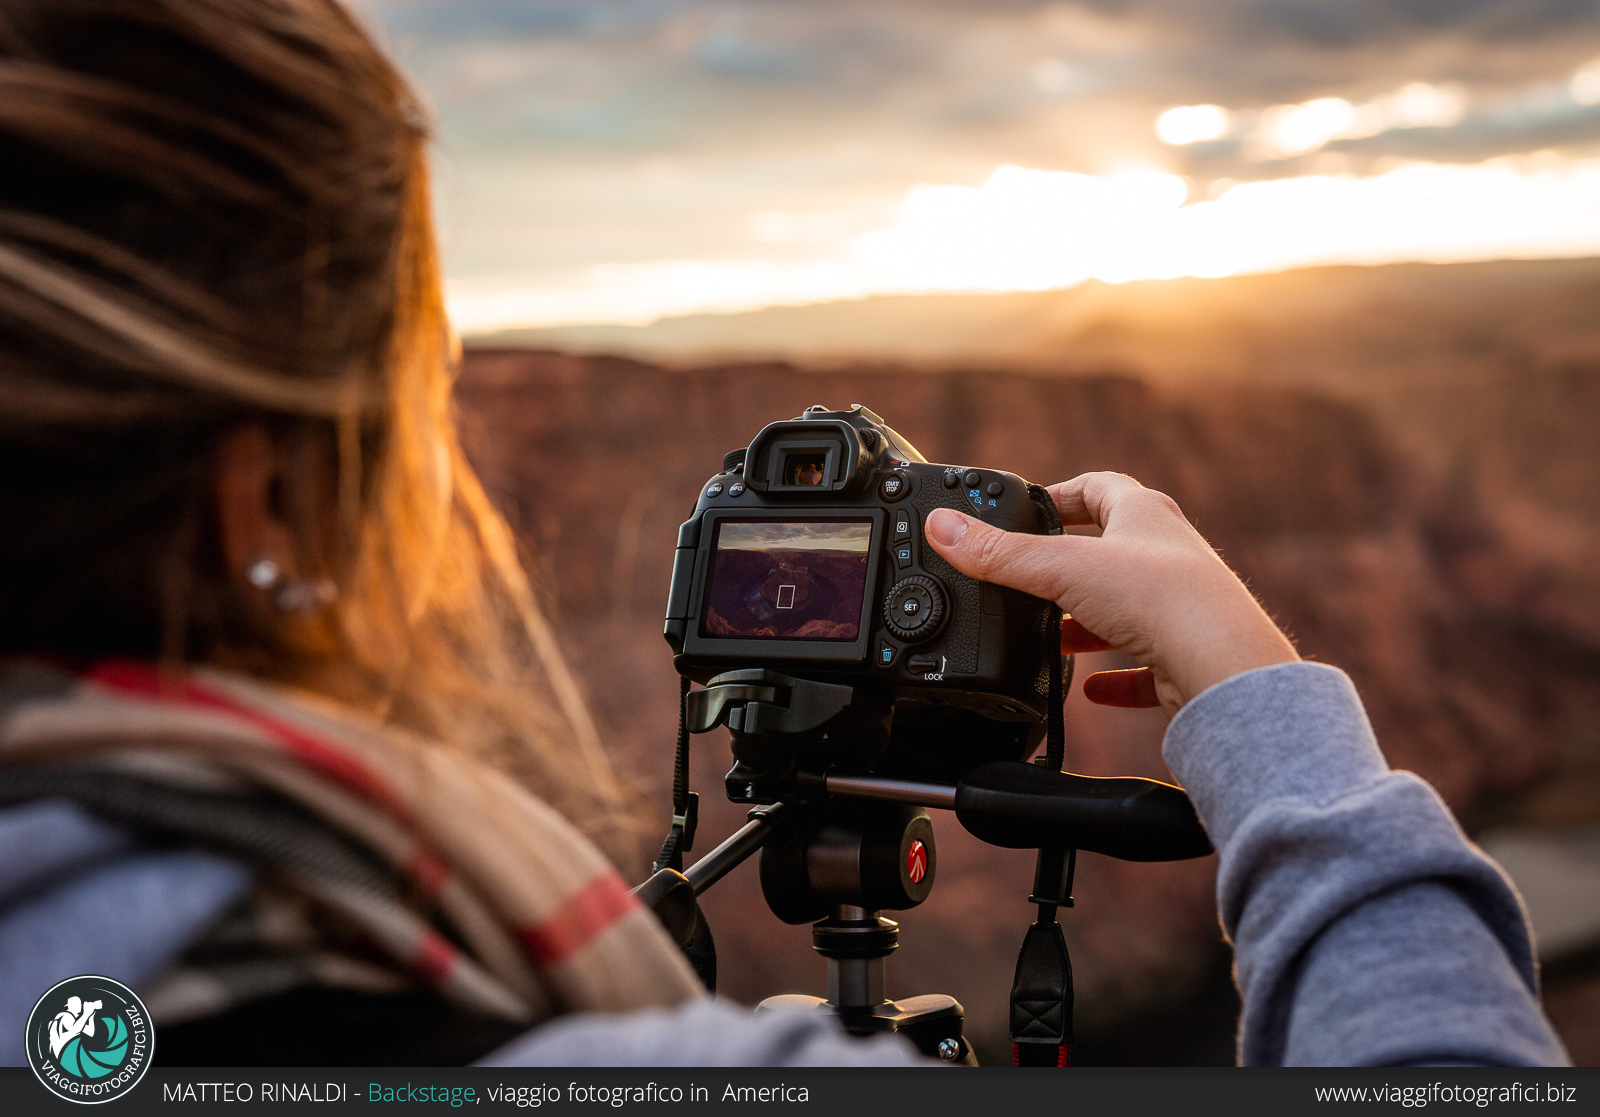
{"points": [[1031, 563]]}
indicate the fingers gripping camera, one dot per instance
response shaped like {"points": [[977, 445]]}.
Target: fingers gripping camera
{"points": [[806, 555]]}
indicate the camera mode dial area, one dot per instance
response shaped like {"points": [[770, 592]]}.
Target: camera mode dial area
{"points": [[915, 608]]}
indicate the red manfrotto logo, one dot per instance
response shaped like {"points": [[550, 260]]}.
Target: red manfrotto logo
{"points": [[917, 861]]}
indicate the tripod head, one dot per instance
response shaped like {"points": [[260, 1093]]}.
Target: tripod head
{"points": [[778, 723], [840, 843]]}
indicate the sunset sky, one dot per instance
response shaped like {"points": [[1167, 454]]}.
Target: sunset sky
{"points": [[620, 160]]}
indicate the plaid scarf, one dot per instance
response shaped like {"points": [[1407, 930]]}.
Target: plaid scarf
{"points": [[386, 861]]}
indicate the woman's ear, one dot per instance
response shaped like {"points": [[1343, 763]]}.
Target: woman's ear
{"points": [[257, 543]]}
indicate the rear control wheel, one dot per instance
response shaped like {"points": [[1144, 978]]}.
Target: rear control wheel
{"points": [[915, 608]]}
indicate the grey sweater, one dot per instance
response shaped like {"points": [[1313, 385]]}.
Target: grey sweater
{"points": [[1367, 929]]}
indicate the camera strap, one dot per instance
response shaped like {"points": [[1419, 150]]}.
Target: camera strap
{"points": [[1041, 991], [685, 803], [689, 929]]}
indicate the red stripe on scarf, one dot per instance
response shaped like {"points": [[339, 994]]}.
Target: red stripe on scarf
{"points": [[428, 870], [587, 912], [143, 681], [435, 958]]}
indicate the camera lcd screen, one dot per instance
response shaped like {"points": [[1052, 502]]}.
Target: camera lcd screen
{"points": [[787, 580]]}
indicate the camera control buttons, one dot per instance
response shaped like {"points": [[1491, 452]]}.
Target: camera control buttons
{"points": [[915, 608], [736, 489], [902, 525], [972, 478], [952, 478], [714, 489], [894, 486], [923, 664], [994, 488], [902, 554], [887, 654]]}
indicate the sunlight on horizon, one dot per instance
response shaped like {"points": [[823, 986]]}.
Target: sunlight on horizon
{"points": [[1028, 230]]}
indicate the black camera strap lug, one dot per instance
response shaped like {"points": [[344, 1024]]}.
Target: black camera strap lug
{"points": [[1041, 991], [688, 821], [685, 803]]}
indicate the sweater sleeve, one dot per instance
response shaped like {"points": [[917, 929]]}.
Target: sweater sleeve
{"points": [[1367, 929]]}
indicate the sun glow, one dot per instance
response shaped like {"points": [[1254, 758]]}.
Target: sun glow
{"points": [[1283, 131], [1188, 124], [1026, 229], [1584, 88]]}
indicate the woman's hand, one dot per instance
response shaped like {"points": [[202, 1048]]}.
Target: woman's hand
{"points": [[1149, 586]]}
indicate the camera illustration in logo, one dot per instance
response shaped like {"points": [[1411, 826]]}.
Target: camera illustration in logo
{"points": [[89, 1039]]}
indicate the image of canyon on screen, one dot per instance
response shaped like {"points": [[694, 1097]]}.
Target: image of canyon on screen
{"points": [[787, 580]]}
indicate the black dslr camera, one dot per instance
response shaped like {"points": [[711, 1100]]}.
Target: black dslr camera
{"points": [[806, 556]]}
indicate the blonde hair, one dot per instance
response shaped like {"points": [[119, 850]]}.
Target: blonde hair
{"points": [[215, 214]]}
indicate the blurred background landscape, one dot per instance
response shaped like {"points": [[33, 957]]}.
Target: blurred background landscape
{"points": [[1328, 273]]}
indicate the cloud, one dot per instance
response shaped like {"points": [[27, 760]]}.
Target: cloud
{"points": [[1026, 229], [755, 139], [703, 71]]}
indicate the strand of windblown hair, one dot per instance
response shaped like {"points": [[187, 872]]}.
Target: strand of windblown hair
{"points": [[168, 352]]}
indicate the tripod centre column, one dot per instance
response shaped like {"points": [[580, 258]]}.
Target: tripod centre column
{"points": [[855, 942]]}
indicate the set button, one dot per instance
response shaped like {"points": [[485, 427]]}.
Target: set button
{"points": [[915, 608]]}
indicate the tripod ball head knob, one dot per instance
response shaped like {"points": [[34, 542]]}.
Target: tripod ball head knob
{"points": [[876, 856]]}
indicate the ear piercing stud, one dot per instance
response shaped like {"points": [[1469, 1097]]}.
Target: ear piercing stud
{"points": [[299, 595]]}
